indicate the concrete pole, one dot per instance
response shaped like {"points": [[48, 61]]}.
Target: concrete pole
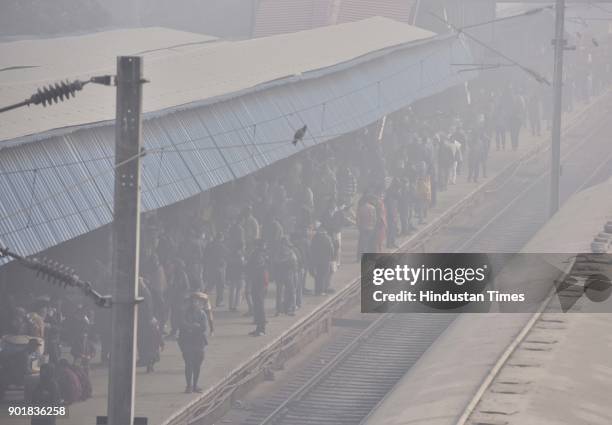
{"points": [[559, 43], [126, 236]]}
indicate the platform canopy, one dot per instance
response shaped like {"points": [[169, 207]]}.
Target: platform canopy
{"points": [[215, 111]]}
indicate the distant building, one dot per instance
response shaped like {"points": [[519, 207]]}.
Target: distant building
{"points": [[282, 16]]}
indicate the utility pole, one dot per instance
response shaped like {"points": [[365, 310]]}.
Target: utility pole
{"points": [[559, 43], [126, 236]]}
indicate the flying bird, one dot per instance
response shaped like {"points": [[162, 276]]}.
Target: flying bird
{"points": [[299, 135]]}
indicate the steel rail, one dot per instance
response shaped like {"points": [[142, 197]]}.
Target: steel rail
{"points": [[273, 417]]}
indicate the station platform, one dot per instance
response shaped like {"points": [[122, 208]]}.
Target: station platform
{"points": [[561, 371], [160, 394]]}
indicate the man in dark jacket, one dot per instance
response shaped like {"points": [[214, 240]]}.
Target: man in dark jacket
{"points": [[285, 270], [215, 255], [257, 275], [321, 257], [192, 337], [301, 243], [236, 248]]}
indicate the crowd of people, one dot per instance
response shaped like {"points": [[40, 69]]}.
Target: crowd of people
{"points": [[274, 227], [33, 341]]}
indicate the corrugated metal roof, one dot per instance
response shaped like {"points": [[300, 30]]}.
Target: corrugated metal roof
{"points": [[58, 189], [204, 74]]}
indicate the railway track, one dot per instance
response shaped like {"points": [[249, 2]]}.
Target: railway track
{"points": [[348, 387], [360, 368]]}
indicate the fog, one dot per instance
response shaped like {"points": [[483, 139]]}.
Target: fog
{"points": [[271, 157]]}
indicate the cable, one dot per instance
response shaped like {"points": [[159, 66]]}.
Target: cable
{"points": [[58, 274], [529, 12], [58, 92], [539, 78], [598, 6]]}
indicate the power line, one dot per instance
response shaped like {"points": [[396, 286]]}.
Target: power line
{"points": [[58, 92], [529, 12], [534, 74], [58, 274]]}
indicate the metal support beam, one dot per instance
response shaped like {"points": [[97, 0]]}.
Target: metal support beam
{"points": [[126, 226], [559, 43]]}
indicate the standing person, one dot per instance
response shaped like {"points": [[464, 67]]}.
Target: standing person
{"points": [[236, 247], [422, 191], [446, 163], [457, 149], [500, 122], [366, 224], [336, 221], [381, 222], [36, 319], [196, 320], [251, 229], [155, 345], [474, 157], [485, 144], [54, 321], [432, 170], [258, 277], [535, 120], [392, 203], [79, 330], [146, 353], [321, 257], [285, 269], [458, 137], [347, 185], [46, 394], [405, 206], [157, 283], [215, 257], [192, 252], [252, 232], [177, 293], [515, 118], [301, 242]]}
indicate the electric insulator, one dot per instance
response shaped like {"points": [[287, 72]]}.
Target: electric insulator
{"points": [[54, 93]]}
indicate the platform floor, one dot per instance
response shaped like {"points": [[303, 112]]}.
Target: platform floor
{"points": [[159, 394]]}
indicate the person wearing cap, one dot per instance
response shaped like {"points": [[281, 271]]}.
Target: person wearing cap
{"points": [[197, 318]]}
